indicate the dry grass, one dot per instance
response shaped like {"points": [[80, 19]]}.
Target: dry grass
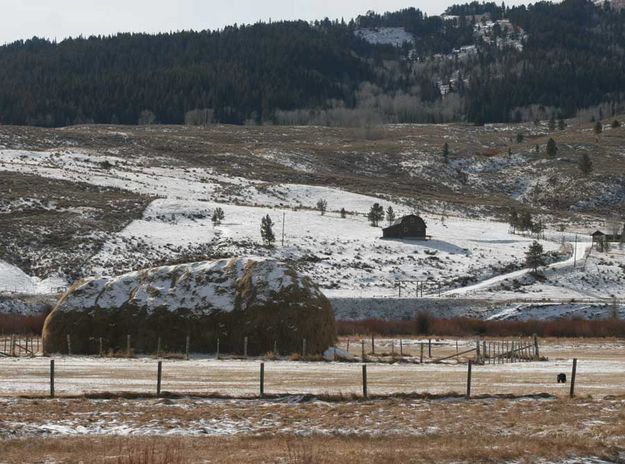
{"points": [[377, 431], [425, 324]]}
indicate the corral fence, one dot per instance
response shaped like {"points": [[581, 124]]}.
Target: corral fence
{"points": [[16, 346], [351, 349]]}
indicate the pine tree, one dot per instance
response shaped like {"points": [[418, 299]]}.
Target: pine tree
{"points": [[266, 231], [552, 148], [513, 219], [343, 213], [322, 206], [390, 215], [561, 124], [218, 216], [552, 123], [616, 124], [520, 137], [535, 257], [446, 153], [585, 165], [376, 214], [598, 128]]}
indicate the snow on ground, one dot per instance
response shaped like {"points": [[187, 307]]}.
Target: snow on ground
{"points": [[594, 276], [395, 36], [347, 257], [14, 280]]}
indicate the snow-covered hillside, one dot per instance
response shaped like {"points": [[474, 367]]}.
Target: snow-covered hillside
{"points": [[14, 280], [174, 196], [345, 256]]}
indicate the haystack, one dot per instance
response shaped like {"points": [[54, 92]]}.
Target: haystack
{"points": [[266, 301]]}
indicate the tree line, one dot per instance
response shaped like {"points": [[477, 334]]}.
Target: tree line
{"points": [[323, 71]]}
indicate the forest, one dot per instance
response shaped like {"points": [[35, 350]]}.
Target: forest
{"points": [[323, 72]]}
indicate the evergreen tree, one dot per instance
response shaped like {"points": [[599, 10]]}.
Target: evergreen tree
{"points": [[616, 124], [390, 215], [561, 124], [520, 137], [343, 213], [446, 153], [585, 165], [376, 214], [266, 231], [513, 219], [598, 128], [322, 206], [526, 222], [552, 148], [535, 257], [218, 216], [552, 123]]}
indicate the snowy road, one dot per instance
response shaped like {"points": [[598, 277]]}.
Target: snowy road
{"points": [[581, 251]]}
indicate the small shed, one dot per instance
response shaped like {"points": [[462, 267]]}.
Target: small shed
{"points": [[597, 236], [410, 227]]}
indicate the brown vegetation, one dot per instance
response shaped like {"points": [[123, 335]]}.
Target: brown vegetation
{"points": [[425, 324]]}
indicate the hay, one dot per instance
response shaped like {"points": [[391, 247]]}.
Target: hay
{"points": [[265, 300]]}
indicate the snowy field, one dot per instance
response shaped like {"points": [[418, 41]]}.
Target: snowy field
{"points": [[601, 372], [466, 258]]}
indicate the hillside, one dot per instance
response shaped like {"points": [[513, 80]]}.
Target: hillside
{"points": [[92, 200], [478, 63]]}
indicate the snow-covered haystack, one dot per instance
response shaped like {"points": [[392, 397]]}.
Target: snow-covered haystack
{"points": [[265, 300]]}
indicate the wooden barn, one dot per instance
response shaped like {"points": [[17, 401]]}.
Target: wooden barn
{"points": [[409, 227], [599, 235]]}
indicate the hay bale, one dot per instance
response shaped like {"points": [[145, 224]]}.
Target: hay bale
{"points": [[264, 300]]}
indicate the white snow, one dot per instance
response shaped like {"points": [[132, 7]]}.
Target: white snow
{"points": [[395, 36], [14, 280], [203, 287]]}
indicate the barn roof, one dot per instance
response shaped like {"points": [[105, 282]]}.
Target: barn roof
{"points": [[401, 219]]}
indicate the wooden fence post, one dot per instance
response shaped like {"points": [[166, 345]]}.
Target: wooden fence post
{"points": [[401, 348], [364, 381], [573, 375], [187, 347], [536, 350], [477, 352], [304, 348], [52, 378], [262, 380], [362, 342], [469, 372], [275, 348], [372, 344], [217, 348], [69, 344], [245, 347], [393, 347], [158, 347], [159, 376], [101, 348], [421, 356], [347, 345], [128, 345], [430, 348]]}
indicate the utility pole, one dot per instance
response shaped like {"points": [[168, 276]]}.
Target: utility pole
{"points": [[575, 253], [283, 219]]}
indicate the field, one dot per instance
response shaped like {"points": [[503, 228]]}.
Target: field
{"points": [[314, 411]]}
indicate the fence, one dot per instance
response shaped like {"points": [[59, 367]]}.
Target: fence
{"points": [[264, 391], [19, 345], [356, 350]]}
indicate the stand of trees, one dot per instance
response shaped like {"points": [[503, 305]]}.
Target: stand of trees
{"points": [[324, 72]]}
